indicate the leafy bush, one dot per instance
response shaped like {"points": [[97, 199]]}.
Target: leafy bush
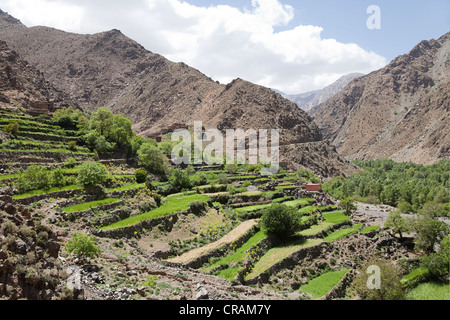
{"points": [[72, 145], [180, 180], [58, 179], [152, 158], [12, 128], [91, 174], [141, 176], [281, 220], [198, 207], [33, 178], [83, 246]]}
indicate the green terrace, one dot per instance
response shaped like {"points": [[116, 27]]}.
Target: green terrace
{"points": [[277, 254], [51, 190], [323, 284], [89, 205], [238, 256], [174, 204]]}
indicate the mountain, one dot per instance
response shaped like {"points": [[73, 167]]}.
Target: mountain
{"points": [[22, 85], [309, 100], [399, 112], [111, 70]]}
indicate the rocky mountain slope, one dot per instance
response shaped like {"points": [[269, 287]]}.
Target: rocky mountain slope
{"points": [[400, 112], [21, 84], [309, 100], [109, 69]]}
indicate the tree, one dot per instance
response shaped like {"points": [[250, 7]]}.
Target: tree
{"points": [[397, 223], [83, 246], [33, 178], [378, 279], [438, 263], [91, 174], [430, 232], [152, 158], [58, 179], [180, 180], [141, 176], [281, 220], [121, 131], [348, 205], [102, 121]]}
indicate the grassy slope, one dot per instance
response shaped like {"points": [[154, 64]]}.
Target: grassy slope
{"points": [[277, 254], [323, 284], [174, 204], [88, 205]]}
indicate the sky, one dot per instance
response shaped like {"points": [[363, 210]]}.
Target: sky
{"points": [[294, 46]]}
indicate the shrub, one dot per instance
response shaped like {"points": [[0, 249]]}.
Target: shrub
{"points": [[180, 180], [91, 174], [33, 178], [83, 246], [198, 207], [12, 128], [141, 176], [58, 179], [72, 145], [70, 163], [281, 220], [151, 157]]}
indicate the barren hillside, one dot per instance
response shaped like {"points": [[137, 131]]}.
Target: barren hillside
{"points": [[399, 112]]}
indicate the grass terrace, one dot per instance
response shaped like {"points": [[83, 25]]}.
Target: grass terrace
{"points": [[430, 291], [175, 203], [323, 284], [277, 254], [39, 192], [89, 205], [341, 233], [239, 255]]}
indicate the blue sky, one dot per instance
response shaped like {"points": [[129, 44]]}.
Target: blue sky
{"points": [[291, 45]]}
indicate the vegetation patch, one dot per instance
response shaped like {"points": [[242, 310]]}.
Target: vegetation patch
{"points": [[88, 205], [173, 204], [323, 284], [277, 254]]}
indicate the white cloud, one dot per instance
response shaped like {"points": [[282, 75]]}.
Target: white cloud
{"points": [[221, 41]]}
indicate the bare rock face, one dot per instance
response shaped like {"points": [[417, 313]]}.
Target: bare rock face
{"points": [[22, 85], [399, 112]]}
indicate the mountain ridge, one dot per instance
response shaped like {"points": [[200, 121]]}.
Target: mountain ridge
{"points": [[399, 112]]}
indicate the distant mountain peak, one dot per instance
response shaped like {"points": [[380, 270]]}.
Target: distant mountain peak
{"points": [[309, 100]]}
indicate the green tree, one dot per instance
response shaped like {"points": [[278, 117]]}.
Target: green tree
{"points": [[121, 131], [102, 121], [281, 220], [91, 174], [438, 263], [397, 224], [83, 246], [152, 158], [58, 179], [348, 205], [429, 232], [388, 276], [141, 176], [35, 177], [180, 180]]}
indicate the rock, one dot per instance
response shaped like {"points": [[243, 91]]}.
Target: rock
{"points": [[202, 294]]}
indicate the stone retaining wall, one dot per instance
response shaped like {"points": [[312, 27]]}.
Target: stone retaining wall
{"points": [[339, 290]]}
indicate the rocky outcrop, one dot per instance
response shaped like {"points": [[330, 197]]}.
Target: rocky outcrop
{"points": [[28, 253]]}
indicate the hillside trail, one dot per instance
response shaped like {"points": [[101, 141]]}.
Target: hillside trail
{"points": [[234, 235]]}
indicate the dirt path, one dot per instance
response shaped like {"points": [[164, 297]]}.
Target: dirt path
{"points": [[235, 234]]}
